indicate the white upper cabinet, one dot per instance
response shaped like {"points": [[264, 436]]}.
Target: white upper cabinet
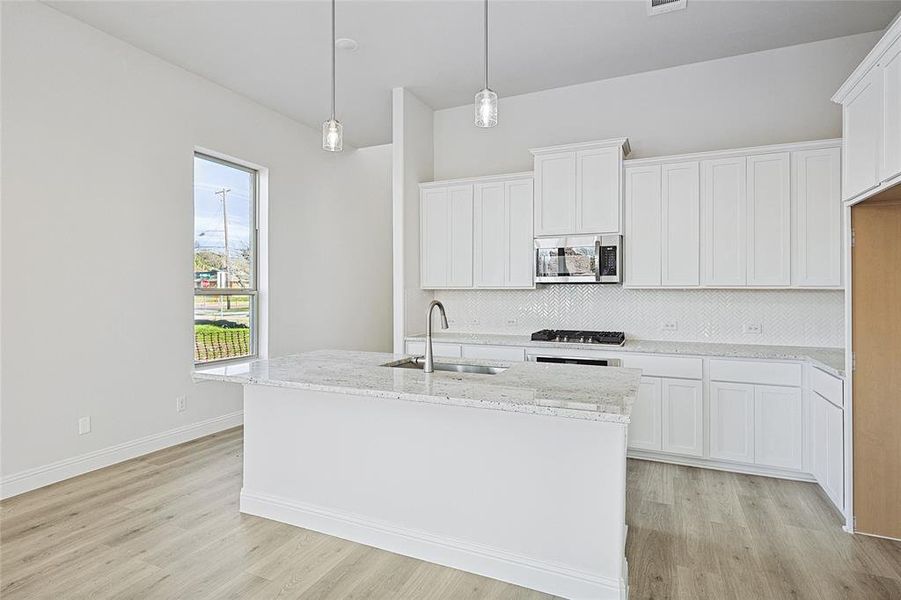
{"points": [[871, 119], [445, 237], [477, 233], [816, 218], [578, 188], [555, 197], [503, 234], [434, 238], [762, 217], [724, 212], [891, 89], [680, 199], [520, 248], [598, 175], [769, 220], [643, 219], [862, 134], [490, 223]]}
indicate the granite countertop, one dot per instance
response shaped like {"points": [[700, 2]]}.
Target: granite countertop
{"points": [[527, 387], [831, 360]]}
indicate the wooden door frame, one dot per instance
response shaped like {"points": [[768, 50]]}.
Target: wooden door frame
{"points": [[847, 260]]}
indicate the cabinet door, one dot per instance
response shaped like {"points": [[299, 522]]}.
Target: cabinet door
{"points": [[769, 220], [731, 421], [520, 253], [490, 255], [598, 198], [683, 410], [555, 194], [777, 426], [724, 221], [891, 83], [643, 217], [434, 242], [460, 236], [862, 115], [680, 199], [835, 455], [818, 435], [817, 218], [644, 429]]}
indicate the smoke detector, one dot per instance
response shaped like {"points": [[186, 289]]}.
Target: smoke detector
{"points": [[658, 7]]}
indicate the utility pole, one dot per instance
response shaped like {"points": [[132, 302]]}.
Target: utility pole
{"points": [[223, 192]]}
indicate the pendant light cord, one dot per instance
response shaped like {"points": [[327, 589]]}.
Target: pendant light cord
{"points": [[333, 60], [486, 44]]}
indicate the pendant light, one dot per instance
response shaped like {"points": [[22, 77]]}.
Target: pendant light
{"points": [[332, 131], [486, 100]]}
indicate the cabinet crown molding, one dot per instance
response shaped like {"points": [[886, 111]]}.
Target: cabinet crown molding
{"points": [[482, 179], [735, 152], [622, 142], [892, 33]]}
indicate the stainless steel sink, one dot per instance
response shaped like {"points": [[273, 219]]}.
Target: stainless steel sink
{"points": [[418, 363]]}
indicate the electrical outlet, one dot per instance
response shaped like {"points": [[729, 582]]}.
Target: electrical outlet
{"points": [[754, 328], [511, 321], [84, 425], [472, 322], [669, 326], [181, 403]]}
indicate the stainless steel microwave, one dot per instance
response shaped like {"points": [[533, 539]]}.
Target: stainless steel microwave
{"points": [[579, 259]]}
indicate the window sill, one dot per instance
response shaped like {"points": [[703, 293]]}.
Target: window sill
{"points": [[238, 368]]}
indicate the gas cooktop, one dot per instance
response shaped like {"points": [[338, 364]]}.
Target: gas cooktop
{"points": [[614, 338]]}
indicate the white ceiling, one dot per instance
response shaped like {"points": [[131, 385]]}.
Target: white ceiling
{"points": [[277, 53]]}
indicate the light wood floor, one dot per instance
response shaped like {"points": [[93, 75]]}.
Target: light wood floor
{"points": [[167, 526]]}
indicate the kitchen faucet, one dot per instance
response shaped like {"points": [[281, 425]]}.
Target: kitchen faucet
{"points": [[429, 366]]}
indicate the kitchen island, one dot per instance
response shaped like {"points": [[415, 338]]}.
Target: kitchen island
{"points": [[518, 475]]}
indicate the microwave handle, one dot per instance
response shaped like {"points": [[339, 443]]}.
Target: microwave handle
{"points": [[597, 259]]}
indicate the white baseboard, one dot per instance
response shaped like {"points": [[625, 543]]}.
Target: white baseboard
{"points": [[719, 465], [31, 479], [495, 563]]}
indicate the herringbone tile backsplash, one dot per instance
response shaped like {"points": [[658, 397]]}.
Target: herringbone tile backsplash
{"points": [[788, 317]]}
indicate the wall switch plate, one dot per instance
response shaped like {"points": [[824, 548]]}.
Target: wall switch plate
{"points": [[669, 326], [84, 425], [181, 403], [755, 328]]}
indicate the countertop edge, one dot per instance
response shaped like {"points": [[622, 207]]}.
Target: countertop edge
{"points": [[550, 411]]}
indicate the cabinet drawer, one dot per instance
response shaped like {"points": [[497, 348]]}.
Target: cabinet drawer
{"points": [[766, 373], [665, 366], [448, 350], [829, 387], [494, 352]]}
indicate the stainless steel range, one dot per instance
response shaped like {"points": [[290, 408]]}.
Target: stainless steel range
{"points": [[610, 338]]}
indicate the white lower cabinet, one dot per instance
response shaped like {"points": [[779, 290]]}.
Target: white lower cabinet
{"points": [[683, 417], [731, 421], [777, 427], [644, 429], [827, 443]]}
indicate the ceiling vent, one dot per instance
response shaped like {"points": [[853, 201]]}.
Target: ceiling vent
{"points": [[658, 7]]}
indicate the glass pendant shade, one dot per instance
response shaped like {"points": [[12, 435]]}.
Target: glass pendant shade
{"points": [[332, 136], [486, 108]]}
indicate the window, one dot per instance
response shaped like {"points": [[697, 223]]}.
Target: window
{"points": [[225, 260]]}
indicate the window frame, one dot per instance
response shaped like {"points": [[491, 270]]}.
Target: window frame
{"points": [[253, 291]]}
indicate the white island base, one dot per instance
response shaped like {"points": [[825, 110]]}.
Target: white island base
{"points": [[532, 499]]}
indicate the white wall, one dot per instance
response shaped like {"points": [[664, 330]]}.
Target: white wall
{"points": [[412, 142], [97, 143], [780, 95]]}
